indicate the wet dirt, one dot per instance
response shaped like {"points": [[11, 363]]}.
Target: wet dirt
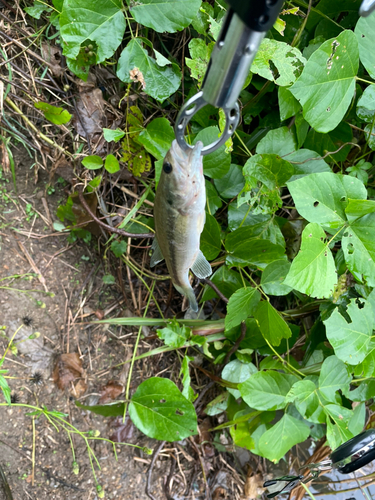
{"points": [[57, 304]]}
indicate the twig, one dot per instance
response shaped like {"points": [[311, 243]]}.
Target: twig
{"points": [[150, 469], [32, 264], [167, 486], [7, 490], [208, 282], [106, 226], [236, 345]]}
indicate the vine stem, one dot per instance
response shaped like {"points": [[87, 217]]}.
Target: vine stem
{"points": [[291, 368]]}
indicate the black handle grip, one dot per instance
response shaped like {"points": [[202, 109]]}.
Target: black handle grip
{"points": [[258, 15], [355, 453]]}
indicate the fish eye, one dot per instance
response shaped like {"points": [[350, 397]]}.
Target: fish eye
{"points": [[167, 167]]}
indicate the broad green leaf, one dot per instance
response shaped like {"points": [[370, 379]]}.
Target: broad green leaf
{"points": [[227, 281], [109, 410], [109, 279], [217, 405], [216, 164], [273, 277], [37, 9], [244, 216], [313, 270], [364, 31], [92, 162], [164, 15], [304, 395], [358, 243], [322, 198], [55, 115], [288, 61], [306, 162], [288, 104], [157, 137], [210, 238], [366, 104], [282, 436], [119, 247], [237, 372], [332, 144], [101, 22], [135, 65], [363, 392], [201, 22], [269, 169], [113, 135], [241, 305], [326, 86], [174, 335], [200, 55], [271, 324], [241, 435], [231, 183], [338, 432], [358, 420], [351, 340], [334, 375], [111, 164], [213, 199], [279, 141], [160, 411], [267, 390]]}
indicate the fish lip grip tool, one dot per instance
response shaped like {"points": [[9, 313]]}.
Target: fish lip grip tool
{"points": [[349, 457], [244, 27]]}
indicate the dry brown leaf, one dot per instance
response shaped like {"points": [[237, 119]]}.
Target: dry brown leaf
{"points": [[99, 313], [205, 437], [122, 432], [137, 76], [80, 388], [90, 107], [110, 391], [52, 55], [68, 368], [62, 168], [254, 485]]}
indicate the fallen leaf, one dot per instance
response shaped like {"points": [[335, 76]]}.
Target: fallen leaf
{"points": [[137, 76], [68, 368], [80, 388], [52, 55], [253, 485], [122, 432], [90, 108], [99, 313], [110, 391]]}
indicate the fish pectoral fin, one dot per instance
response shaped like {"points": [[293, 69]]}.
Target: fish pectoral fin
{"points": [[156, 256], [201, 267]]}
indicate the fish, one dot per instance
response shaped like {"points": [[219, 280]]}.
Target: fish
{"points": [[179, 215]]}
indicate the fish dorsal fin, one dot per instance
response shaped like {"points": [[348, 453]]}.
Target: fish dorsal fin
{"points": [[201, 267], [156, 256]]}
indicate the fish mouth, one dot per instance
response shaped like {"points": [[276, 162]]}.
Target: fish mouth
{"points": [[191, 154]]}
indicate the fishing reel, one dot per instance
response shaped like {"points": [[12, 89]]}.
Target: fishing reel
{"points": [[349, 457], [243, 30]]}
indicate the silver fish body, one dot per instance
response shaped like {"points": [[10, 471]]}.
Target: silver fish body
{"points": [[179, 214]]}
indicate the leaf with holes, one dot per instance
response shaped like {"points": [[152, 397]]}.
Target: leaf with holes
{"points": [[322, 198], [135, 65], [164, 15], [351, 340], [326, 87], [174, 335], [313, 270], [160, 411], [101, 22], [269, 169]]}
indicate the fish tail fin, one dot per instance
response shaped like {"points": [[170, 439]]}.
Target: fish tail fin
{"points": [[189, 293]]}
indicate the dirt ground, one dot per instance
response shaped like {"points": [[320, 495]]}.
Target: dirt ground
{"points": [[71, 274]]}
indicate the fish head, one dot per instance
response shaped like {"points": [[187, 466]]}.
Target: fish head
{"points": [[182, 174]]}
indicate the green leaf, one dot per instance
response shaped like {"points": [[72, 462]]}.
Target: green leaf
{"points": [[135, 65], [217, 405], [288, 104], [164, 15], [111, 164], [304, 395], [306, 162], [334, 375], [326, 87], [92, 162], [269, 169], [157, 138], [113, 135], [231, 183], [5, 387], [313, 270], [358, 243], [358, 420], [55, 115], [200, 55], [119, 247], [237, 372], [108, 279], [267, 390], [366, 104], [216, 164], [227, 281], [322, 198], [271, 324], [282, 436], [187, 391], [273, 278], [241, 305], [210, 238], [279, 141], [358, 208], [288, 61], [364, 31], [160, 411], [174, 335], [109, 410], [351, 340], [332, 143], [37, 9], [339, 433], [101, 22], [213, 199]]}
